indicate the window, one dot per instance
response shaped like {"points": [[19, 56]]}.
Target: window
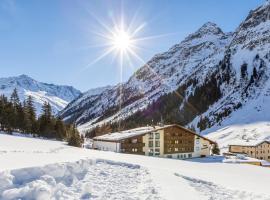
{"points": [[169, 149], [176, 149], [151, 136], [134, 141], [157, 143], [184, 156], [176, 142], [189, 155], [151, 144], [197, 141], [157, 136]]}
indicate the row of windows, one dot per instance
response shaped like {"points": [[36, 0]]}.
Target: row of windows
{"points": [[176, 134], [152, 135], [180, 149], [152, 154], [251, 152], [156, 150], [181, 156], [151, 143], [179, 141], [263, 158], [133, 150]]}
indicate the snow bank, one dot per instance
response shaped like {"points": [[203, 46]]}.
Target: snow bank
{"points": [[84, 179]]}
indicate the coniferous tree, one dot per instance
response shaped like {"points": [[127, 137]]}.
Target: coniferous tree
{"points": [[216, 149], [60, 129], [15, 101], [14, 98], [46, 126], [15, 116], [75, 138], [31, 114]]}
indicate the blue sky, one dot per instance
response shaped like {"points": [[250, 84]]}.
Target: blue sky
{"points": [[56, 41]]}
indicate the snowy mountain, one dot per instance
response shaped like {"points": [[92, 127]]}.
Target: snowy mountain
{"points": [[208, 81], [161, 75], [57, 96]]}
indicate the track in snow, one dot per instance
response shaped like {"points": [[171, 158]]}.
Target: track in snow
{"points": [[216, 192]]}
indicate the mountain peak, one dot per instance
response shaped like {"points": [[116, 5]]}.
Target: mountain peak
{"points": [[24, 77], [206, 29], [210, 27]]}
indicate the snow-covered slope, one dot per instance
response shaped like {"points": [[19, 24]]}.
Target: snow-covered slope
{"points": [[246, 97], [198, 53], [57, 96], [32, 168]]}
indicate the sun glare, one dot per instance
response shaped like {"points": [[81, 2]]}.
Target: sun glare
{"points": [[121, 40]]}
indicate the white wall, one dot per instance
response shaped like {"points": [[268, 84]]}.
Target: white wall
{"points": [[201, 147], [107, 146]]}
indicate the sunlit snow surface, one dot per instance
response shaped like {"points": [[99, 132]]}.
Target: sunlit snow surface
{"points": [[42, 169]]}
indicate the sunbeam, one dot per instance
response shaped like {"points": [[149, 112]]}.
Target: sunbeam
{"points": [[124, 43]]}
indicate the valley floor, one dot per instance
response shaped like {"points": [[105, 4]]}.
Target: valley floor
{"points": [[42, 169]]}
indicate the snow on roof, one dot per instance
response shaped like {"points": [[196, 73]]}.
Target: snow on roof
{"points": [[127, 133], [139, 131], [248, 142]]}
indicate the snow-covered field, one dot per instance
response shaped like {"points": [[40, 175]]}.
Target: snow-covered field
{"points": [[42, 169]]}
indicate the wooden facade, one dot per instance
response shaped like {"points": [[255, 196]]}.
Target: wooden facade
{"points": [[177, 140], [132, 145]]}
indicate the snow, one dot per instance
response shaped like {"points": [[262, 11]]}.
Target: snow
{"points": [[57, 96], [84, 179], [33, 168], [127, 133], [255, 133]]}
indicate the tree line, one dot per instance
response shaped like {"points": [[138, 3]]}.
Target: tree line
{"points": [[21, 117]]}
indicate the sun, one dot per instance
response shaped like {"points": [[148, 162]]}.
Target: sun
{"points": [[121, 40]]}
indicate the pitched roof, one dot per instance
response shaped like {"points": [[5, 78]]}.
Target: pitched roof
{"points": [[127, 133], [248, 143], [117, 136]]}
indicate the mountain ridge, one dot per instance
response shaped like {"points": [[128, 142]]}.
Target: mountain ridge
{"points": [[57, 95]]}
